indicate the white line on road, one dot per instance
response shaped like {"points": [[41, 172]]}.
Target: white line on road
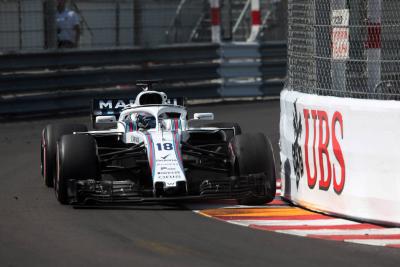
{"points": [[329, 232], [292, 222]]}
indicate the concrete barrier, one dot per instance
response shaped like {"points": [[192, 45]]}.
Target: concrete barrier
{"points": [[341, 155]]}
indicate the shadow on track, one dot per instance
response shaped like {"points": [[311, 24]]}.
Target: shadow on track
{"points": [[165, 206], [135, 207]]}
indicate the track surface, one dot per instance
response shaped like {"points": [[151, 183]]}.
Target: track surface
{"points": [[36, 231]]}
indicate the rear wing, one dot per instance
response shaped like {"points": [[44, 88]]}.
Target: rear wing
{"points": [[114, 106]]}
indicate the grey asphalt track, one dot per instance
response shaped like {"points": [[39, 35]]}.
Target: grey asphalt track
{"points": [[36, 231]]}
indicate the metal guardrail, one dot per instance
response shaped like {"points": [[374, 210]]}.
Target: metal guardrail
{"points": [[273, 67], [56, 59], [57, 81], [273, 60], [240, 70], [73, 79]]}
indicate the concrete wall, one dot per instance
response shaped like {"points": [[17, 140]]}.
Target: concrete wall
{"points": [[340, 155]]}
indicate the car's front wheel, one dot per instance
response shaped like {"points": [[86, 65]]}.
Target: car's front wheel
{"points": [[253, 155], [50, 135], [77, 158]]}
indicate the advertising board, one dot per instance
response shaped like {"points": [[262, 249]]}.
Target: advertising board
{"points": [[341, 155]]}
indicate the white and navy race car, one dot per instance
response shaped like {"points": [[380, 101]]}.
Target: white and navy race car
{"points": [[150, 152]]}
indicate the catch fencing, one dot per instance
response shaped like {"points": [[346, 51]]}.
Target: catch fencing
{"points": [[344, 48], [30, 25], [338, 151]]}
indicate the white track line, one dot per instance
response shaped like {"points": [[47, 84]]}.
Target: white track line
{"points": [[329, 232], [278, 206], [375, 242], [324, 222], [199, 207]]}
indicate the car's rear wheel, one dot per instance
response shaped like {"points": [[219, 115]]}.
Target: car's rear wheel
{"points": [[77, 158], [253, 155], [50, 135]]}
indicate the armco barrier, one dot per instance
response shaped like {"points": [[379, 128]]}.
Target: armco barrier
{"points": [[72, 79], [341, 155], [64, 80], [273, 67], [56, 59], [240, 70]]}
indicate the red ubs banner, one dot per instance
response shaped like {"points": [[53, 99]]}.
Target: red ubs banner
{"points": [[326, 132]]}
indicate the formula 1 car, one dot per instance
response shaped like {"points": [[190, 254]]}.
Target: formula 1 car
{"points": [[150, 152]]}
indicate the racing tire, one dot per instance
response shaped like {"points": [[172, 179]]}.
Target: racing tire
{"points": [[229, 134], [50, 135], [253, 154], [77, 158]]}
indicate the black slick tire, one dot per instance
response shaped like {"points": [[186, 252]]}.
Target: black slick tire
{"points": [[50, 135], [253, 154], [77, 158]]}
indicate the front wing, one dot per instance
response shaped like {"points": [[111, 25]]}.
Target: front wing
{"points": [[85, 192]]}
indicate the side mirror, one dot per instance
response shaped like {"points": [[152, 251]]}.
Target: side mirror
{"points": [[106, 121], [204, 116]]}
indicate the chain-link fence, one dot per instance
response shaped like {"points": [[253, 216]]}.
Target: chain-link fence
{"points": [[21, 25], [33, 24], [344, 48]]}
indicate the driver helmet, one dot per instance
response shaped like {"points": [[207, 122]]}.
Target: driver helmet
{"points": [[145, 121]]}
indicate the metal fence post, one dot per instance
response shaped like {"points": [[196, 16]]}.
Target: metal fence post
{"points": [[374, 44], [137, 22], [215, 21], [226, 20], [255, 20], [50, 24], [340, 55]]}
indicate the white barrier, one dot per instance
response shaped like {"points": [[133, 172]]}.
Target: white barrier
{"points": [[341, 155]]}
